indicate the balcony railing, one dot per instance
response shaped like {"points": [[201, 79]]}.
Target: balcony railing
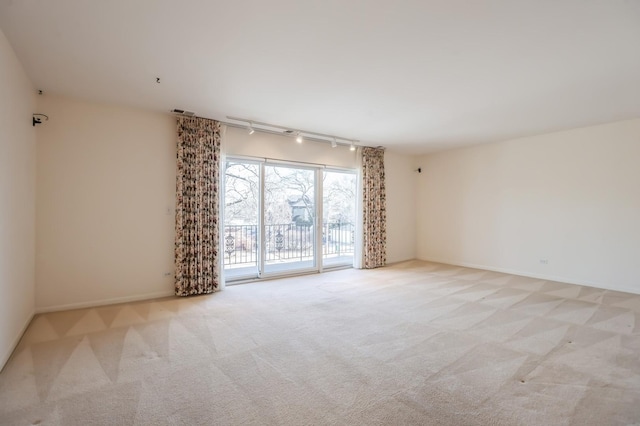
{"points": [[285, 243]]}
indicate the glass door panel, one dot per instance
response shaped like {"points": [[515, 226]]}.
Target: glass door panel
{"points": [[289, 219], [241, 220], [338, 218]]}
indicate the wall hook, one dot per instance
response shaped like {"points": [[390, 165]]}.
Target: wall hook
{"points": [[419, 170]]}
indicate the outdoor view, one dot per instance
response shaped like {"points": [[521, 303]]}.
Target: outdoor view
{"points": [[289, 238]]}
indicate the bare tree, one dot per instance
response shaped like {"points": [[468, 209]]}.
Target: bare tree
{"points": [[241, 193], [286, 190], [339, 195]]}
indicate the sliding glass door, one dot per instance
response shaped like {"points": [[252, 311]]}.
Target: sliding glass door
{"points": [[241, 242], [289, 219], [286, 218], [338, 217]]}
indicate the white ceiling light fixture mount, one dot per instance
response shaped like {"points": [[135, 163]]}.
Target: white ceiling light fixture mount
{"points": [[250, 129], [299, 137], [334, 143], [352, 147]]}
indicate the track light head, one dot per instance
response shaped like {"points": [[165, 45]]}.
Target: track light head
{"points": [[298, 134], [352, 147]]}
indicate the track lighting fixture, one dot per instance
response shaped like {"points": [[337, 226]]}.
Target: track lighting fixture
{"points": [[288, 131]]}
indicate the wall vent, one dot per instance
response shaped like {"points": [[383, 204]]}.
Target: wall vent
{"points": [[183, 112]]}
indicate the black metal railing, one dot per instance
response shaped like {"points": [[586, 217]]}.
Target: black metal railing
{"points": [[286, 242], [338, 239]]}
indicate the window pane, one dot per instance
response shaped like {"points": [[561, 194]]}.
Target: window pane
{"points": [[339, 208], [241, 209], [289, 216]]}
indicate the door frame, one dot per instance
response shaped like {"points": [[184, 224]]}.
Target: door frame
{"points": [[262, 162]]}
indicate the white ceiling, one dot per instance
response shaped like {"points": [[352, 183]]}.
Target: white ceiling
{"points": [[414, 76]]}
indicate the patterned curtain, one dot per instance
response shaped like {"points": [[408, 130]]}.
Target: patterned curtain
{"points": [[197, 204], [374, 222]]}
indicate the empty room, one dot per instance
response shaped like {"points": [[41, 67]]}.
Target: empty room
{"points": [[309, 213]]}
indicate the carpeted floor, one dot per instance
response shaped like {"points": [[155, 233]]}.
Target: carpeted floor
{"points": [[414, 343]]}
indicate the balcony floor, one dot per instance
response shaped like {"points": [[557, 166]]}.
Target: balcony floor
{"points": [[243, 271]]}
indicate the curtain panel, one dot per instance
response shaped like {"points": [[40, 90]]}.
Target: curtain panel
{"points": [[374, 204], [197, 206]]}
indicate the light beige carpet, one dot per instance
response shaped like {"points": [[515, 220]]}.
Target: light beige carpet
{"points": [[414, 343]]}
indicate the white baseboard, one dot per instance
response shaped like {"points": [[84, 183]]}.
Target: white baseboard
{"points": [[397, 262], [16, 340], [535, 275], [102, 302]]}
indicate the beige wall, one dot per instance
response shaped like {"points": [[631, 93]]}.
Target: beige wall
{"points": [[571, 198], [106, 178], [17, 199], [400, 178], [106, 197]]}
